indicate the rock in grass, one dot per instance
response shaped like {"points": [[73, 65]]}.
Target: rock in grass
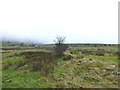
{"points": [[111, 67], [116, 73]]}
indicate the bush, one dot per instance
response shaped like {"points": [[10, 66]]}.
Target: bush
{"points": [[60, 47], [38, 61], [100, 52]]}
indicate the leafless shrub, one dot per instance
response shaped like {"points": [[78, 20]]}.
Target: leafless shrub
{"points": [[60, 47]]}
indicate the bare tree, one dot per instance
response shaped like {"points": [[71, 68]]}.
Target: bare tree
{"points": [[60, 47]]}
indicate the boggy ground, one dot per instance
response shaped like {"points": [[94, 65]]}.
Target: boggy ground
{"points": [[86, 68]]}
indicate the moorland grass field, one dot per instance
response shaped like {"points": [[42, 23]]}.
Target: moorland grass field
{"points": [[81, 66]]}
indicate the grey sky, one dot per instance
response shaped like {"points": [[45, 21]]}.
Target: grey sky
{"points": [[81, 21]]}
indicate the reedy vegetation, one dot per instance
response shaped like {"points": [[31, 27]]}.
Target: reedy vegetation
{"points": [[78, 67]]}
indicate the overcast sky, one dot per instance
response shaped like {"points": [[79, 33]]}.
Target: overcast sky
{"points": [[81, 21]]}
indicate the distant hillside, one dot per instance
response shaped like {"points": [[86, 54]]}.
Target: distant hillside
{"points": [[27, 43], [14, 43]]}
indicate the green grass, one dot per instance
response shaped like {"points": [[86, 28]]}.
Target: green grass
{"points": [[80, 71], [22, 79]]}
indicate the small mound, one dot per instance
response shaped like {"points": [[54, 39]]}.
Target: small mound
{"points": [[85, 72], [37, 61]]}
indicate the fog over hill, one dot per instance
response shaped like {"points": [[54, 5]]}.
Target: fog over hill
{"points": [[81, 21]]}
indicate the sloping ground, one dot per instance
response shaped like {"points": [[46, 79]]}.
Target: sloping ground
{"points": [[77, 70], [86, 73]]}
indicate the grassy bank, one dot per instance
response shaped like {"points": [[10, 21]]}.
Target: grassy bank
{"points": [[79, 67]]}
